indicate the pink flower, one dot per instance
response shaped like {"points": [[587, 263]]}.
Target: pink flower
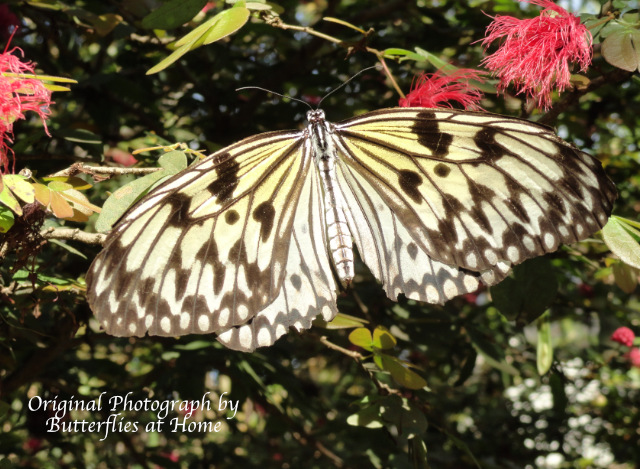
{"points": [[18, 95], [624, 336], [634, 357], [438, 90], [535, 53]]}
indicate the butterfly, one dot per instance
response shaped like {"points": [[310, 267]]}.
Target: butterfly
{"points": [[253, 239]]}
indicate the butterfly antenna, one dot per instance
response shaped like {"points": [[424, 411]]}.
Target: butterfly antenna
{"points": [[346, 82], [273, 92]]}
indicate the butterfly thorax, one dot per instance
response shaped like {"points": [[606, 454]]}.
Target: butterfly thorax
{"points": [[321, 138]]}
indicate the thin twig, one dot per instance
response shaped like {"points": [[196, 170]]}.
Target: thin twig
{"points": [[73, 234], [102, 170], [351, 353]]}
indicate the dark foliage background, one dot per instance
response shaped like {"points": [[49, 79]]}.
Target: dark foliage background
{"points": [[486, 404]]}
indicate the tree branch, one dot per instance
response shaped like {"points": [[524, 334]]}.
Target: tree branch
{"points": [[102, 170], [73, 234]]}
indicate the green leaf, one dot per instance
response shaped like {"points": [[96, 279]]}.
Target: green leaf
{"points": [[173, 161], [229, 22], [67, 247], [224, 23], [172, 14], [7, 198], [20, 187], [401, 373], [617, 236], [622, 49], [79, 136], [341, 321], [6, 219], [73, 181], [403, 54], [382, 338], [59, 186], [544, 355], [528, 293], [362, 338], [625, 276], [120, 201], [369, 417]]}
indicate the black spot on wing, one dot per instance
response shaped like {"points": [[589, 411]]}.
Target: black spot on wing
{"points": [[231, 217], [264, 214], [409, 182], [429, 135], [179, 209], [227, 181], [485, 140], [442, 170], [412, 249], [296, 281]]}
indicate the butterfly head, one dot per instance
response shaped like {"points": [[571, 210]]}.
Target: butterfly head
{"points": [[315, 115]]}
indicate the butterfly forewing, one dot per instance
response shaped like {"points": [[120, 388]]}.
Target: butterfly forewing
{"points": [[476, 190], [436, 201], [183, 262]]}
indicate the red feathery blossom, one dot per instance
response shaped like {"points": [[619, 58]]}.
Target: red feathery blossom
{"points": [[624, 336], [535, 53], [439, 90], [18, 95]]}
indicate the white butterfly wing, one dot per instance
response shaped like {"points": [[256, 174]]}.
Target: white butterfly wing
{"points": [[208, 251], [441, 198]]}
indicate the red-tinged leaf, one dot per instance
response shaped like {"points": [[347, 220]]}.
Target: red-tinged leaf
{"points": [[42, 194], [59, 206]]}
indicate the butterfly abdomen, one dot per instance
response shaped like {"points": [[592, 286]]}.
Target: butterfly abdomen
{"points": [[339, 239]]}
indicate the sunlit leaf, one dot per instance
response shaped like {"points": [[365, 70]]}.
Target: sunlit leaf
{"points": [[617, 235], [7, 198], [72, 181], [341, 321], [401, 373], [21, 188], [6, 219], [362, 338], [622, 49], [383, 339], [544, 355], [369, 417], [59, 206]]}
